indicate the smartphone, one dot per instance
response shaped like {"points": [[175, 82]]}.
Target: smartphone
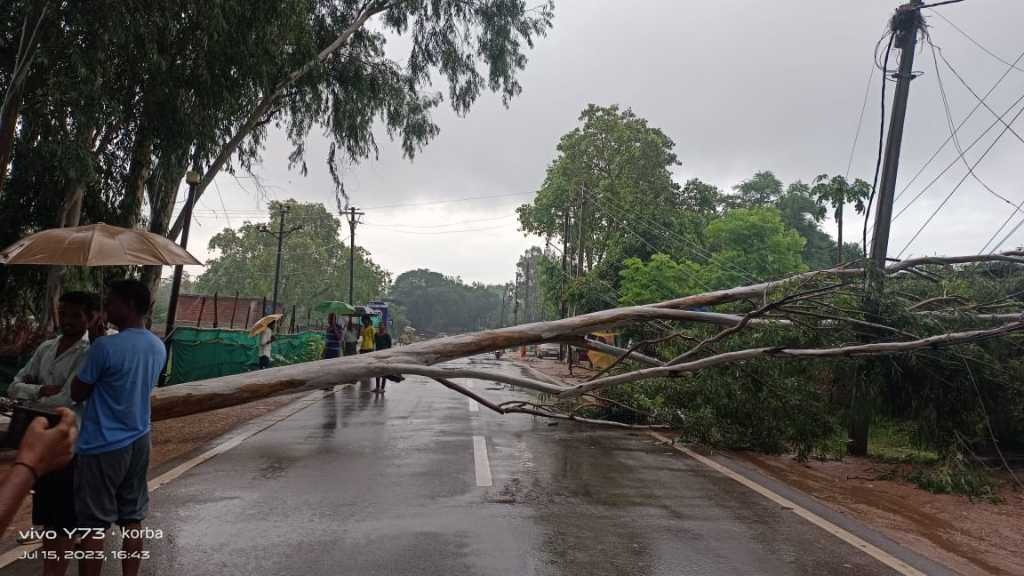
{"points": [[21, 417]]}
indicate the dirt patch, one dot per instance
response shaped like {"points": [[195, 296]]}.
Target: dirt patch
{"points": [[172, 439], [970, 537]]}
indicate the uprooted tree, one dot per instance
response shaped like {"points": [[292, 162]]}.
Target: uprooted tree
{"points": [[942, 315]]}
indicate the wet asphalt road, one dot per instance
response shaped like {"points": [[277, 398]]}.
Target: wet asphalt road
{"points": [[362, 484]]}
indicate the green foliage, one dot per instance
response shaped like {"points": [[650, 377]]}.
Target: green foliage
{"points": [[612, 178], [955, 475], [656, 280], [314, 265], [433, 303], [751, 242]]}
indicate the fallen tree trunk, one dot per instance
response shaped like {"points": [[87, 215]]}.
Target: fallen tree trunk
{"points": [[419, 358]]}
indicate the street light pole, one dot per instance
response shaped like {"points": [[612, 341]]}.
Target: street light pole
{"points": [[193, 178]]}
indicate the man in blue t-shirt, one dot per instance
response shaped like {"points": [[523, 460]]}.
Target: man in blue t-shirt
{"points": [[115, 381]]}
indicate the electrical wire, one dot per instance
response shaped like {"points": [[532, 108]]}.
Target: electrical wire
{"points": [[860, 121], [970, 114], [955, 161], [957, 187], [881, 142], [949, 121], [468, 199]]}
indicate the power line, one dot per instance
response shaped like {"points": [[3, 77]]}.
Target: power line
{"points": [[952, 131], [960, 125], [881, 139], [967, 149], [957, 187], [860, 120], [439, 232], [978, 44], [430, 226], [467, 199]]}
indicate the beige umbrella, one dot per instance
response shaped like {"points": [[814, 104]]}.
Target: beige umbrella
{"points": [[262, 323], [96, 245]]}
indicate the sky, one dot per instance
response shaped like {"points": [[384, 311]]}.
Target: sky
{"points": [[739, 85]]}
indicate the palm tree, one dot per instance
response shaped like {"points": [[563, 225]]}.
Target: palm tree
{"points": [[837, 193]]}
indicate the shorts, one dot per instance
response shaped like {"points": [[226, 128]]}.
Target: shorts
{"points": [[53, 504], [111, 487], [264, 362]]}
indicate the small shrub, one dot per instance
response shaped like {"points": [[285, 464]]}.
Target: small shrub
{"points": [[954, 475]]}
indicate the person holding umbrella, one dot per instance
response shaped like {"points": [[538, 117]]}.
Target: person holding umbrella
{"points": [[264, 329], [332, 337]]}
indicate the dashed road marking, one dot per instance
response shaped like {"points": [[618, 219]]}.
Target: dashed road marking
{"points": [[841, 533], [481, 462]]}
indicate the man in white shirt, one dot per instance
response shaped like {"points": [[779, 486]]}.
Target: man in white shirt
{"points": [[46, 380], [266, 337]]}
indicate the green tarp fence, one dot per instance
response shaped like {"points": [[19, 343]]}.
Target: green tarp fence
{"points": [[199, 353]]}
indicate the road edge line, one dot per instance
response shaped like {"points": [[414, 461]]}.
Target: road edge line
{"points": [[845, 535]]}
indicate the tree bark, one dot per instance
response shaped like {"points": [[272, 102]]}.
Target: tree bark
{"points": [[162, 189], [70, 214]]}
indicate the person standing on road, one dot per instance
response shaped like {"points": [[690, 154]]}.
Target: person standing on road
{"points": [[351, 337], [332, 337], [116, 380], [366, 337], [46, 380], [381, 341], [266, 337]]}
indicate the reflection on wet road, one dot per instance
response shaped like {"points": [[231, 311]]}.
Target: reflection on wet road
{"points": [[364, 484]]}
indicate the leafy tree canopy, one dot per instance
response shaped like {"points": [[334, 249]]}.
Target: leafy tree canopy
{"points": [[314, 265], [434, 303]]}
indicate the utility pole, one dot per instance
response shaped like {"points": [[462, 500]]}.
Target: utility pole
{"points": [[353, 219], [905, 25], [192, 177], [515, 300], [563, 305], [501, 316], [527, 303], [281, 235], [579, 225]]}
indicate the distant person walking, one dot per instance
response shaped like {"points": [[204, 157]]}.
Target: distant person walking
{"points": [[351, 342], [115, 382], [366, 337], [381, 341], [266, 338], [332, 337]]}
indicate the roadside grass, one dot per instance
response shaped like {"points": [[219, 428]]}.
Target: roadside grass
{"points": [[898, 442]]}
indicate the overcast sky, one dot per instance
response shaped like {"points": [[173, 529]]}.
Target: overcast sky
{"points": [[739, 85]]}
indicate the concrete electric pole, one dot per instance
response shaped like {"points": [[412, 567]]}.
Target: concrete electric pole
{"points": [[905, 26]]}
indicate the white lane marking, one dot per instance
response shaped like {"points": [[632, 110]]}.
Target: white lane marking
{"points": [[844, 535], [481, 462], [474, 406], [306, 401]]}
